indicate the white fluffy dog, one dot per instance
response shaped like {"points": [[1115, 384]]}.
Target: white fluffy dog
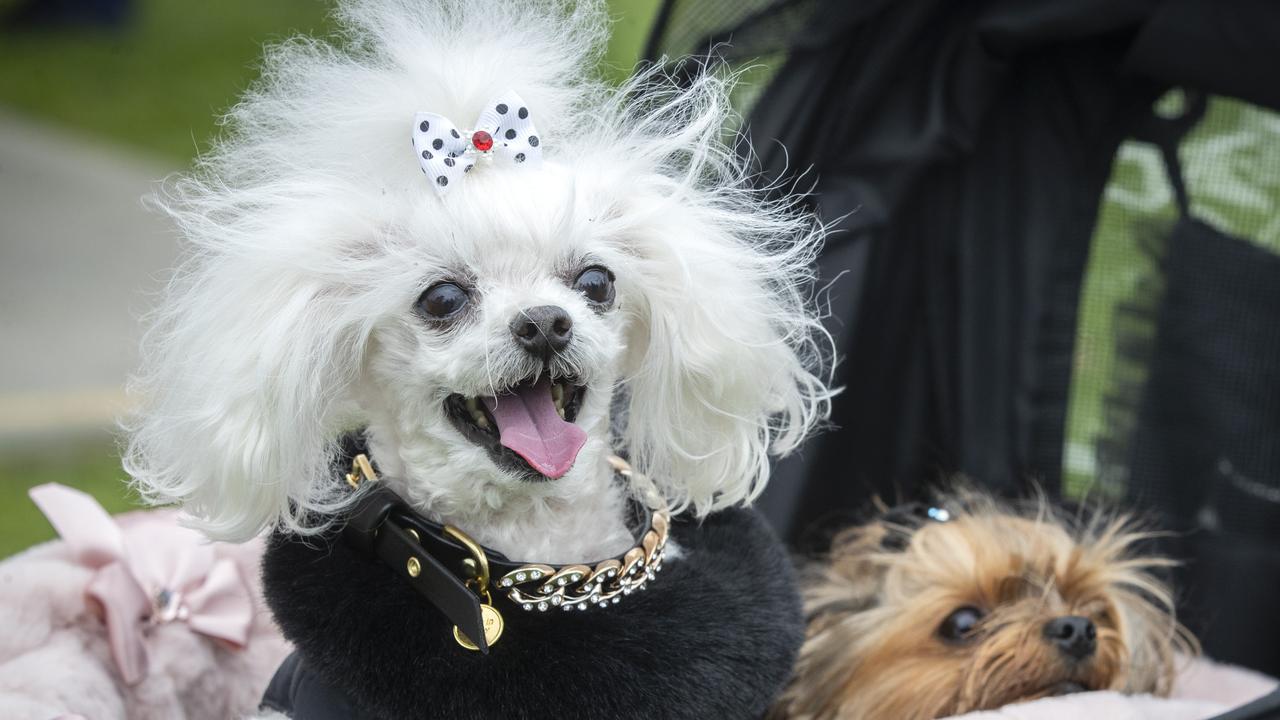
{"points": [[499, 341]]}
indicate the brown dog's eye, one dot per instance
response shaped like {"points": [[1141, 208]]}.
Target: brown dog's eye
{"points": [[959, 625], [442, 300], [597, 284]]}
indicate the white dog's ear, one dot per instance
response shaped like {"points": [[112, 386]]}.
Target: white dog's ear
{"points": [[245, 368], [721, 363], [727, 360]]}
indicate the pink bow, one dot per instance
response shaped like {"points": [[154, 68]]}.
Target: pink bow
{"points": [[157, 572]]}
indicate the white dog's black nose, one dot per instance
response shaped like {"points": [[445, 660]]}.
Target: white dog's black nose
{"points": [[543, 330], [1075, 636]]}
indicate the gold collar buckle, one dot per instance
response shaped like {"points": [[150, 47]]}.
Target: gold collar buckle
{"points": [[477, 566], [361, 471]]}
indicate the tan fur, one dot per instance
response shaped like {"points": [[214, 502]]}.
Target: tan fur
{"points": [[873, 651]]}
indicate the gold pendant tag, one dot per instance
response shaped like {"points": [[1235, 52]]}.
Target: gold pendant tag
{"points": [[492, 621]]}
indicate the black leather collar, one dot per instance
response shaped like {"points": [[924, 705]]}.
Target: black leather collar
{"points": [[443, 569]]}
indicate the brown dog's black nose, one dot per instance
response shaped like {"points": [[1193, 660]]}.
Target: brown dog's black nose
{"points": [[1075, 636], [543, 330]]}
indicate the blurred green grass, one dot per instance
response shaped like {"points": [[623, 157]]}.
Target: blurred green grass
{"points": [[158, 85], [91, 465], [160, 82]]}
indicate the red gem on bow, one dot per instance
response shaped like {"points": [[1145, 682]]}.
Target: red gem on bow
{"points": [[482, 140]]}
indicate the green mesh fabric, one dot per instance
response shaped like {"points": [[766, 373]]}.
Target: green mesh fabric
{"points": [[1231, 164]]}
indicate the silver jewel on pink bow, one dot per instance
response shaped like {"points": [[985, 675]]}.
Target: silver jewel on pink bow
{"points": [[504, 134], [155, 573]]}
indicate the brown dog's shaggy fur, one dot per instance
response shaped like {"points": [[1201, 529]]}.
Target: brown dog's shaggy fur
{"points": [[877, 648]]}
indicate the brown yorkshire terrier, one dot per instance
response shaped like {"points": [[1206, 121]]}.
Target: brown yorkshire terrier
{"points": [[970, 604]]}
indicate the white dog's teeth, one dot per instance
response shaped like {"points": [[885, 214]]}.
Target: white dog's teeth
{"points": [[557, 394], [477, 415], [560, 412]]}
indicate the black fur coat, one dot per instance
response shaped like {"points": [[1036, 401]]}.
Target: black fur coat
{"points": [[713, 636]]}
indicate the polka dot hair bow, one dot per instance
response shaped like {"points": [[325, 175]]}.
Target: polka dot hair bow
{"points": [[504, 134]]}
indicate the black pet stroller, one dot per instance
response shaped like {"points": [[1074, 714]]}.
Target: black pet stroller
{"points": [[1059, 260]]}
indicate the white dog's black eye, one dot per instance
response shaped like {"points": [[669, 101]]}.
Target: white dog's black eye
{"points": [[959, 625], [597, 284], [442, 300]]}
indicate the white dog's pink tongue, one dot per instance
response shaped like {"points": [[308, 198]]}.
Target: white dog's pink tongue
{"points": [[529, 425]]}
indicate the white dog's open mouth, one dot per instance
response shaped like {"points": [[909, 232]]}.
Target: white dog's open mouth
{"points": [[528, 427]]}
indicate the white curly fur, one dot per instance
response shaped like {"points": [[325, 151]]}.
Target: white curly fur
{"points": [[313, 232]]}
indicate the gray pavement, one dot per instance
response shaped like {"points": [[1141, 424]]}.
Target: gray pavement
{"points": [[80, 261]]}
